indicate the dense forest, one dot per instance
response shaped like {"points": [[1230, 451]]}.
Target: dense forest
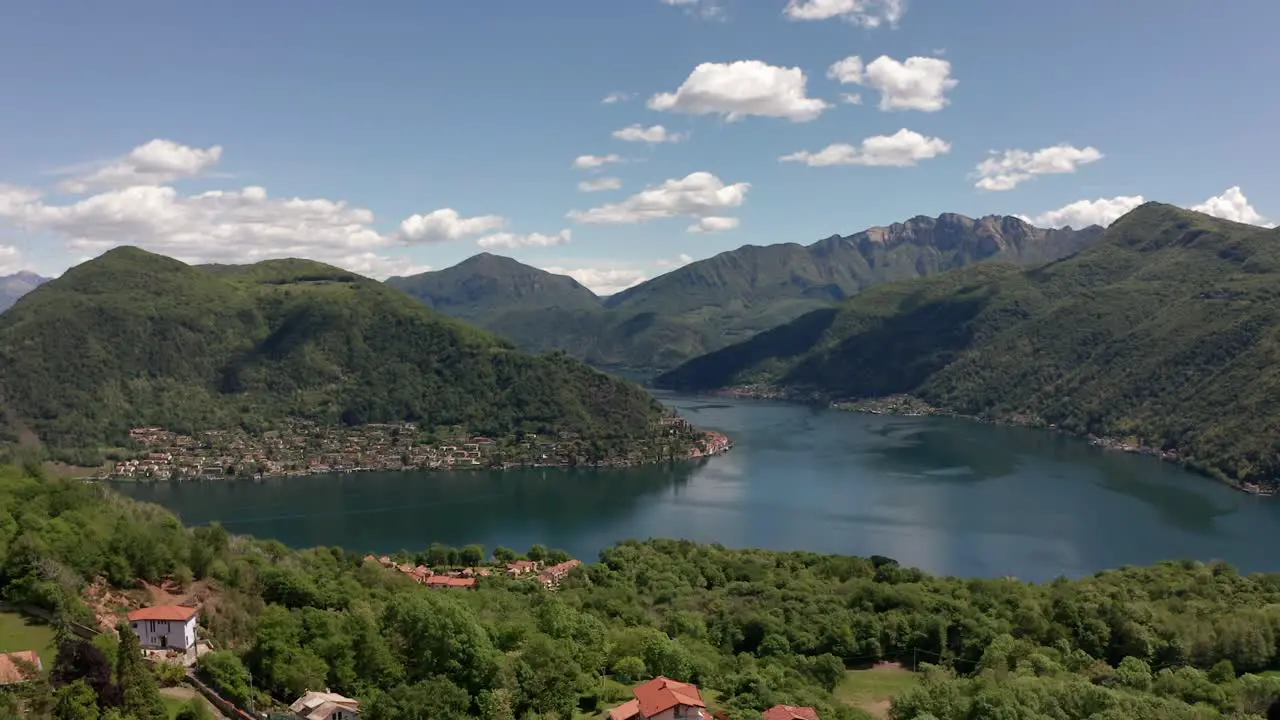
{"points": [[1179, 640], [1165, 333], [131, 338], [710, 303]]}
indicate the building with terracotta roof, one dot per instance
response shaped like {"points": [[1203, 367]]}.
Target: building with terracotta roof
{"points": [[791, 712], [325, 706], [520, 567], [21, 666], [663, 699], [165, 627], [554, 574], [447, 581]]}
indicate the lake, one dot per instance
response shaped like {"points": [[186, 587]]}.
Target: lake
{"points": [[950, 496]]}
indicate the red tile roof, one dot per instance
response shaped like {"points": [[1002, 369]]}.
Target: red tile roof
{"points": [[625, 711], [12, 668], [661, 694], [446, 581], [791, 712], [179, 613]]}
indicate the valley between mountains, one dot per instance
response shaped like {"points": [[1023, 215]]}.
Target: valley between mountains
{"points": [[1158, 333]]}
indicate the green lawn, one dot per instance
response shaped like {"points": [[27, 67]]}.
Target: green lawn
{"points": [[176, 698], [19, 632], [870, 690]]}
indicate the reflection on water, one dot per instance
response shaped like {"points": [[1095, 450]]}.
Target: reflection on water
{"points": [[947, 495]]}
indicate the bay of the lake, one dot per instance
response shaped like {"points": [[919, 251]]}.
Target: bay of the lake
{"points": [[950, 496]]}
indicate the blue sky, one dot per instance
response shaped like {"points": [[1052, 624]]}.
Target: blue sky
{"points": [[393, 136]]}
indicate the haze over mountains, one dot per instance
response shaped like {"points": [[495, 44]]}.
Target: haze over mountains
{"points": [[16, 285], [729, 297], [1164, 332]]}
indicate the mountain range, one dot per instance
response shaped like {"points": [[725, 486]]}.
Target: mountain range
{"points": [[131, 338], [1165, 333], [712, 303], [16, 285]]}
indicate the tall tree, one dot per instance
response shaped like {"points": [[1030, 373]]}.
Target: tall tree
{"points": [[140, 698]]}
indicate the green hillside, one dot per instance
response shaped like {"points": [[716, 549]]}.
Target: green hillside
{"points": [[1166, 332], [728, 298], [752, 628], [483, 287], [133, 338]]}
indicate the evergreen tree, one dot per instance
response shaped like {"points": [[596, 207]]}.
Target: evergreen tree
{"points": [[140, 698]]}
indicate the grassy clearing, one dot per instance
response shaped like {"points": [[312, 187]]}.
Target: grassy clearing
{"points": [[175, 698], [19, 632], [871, 690]]}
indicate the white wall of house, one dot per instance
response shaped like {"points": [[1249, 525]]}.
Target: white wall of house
{"points": [[175, 634]]}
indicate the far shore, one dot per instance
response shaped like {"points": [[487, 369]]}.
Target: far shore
{"points": [[909, 406]]}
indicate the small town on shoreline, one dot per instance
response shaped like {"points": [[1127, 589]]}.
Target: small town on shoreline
{"points": [[302, 447]]}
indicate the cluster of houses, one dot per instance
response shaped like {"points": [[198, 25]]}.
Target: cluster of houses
{"points": [[302, 448], [173, 628], [466, 578], [666, 699], [298, 448]]}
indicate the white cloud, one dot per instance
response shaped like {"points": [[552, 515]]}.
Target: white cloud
{"points": [[904, 148], [444, 225], [602, 280], [156, 162], [1006, 170], [849, 71], [851, 98], [616, 97], [742, 88], [654, 134], [1083, 213], [10, 260], [705, 9], [678, 261], [593, 162], [13, 198], [699, 195], [512, 240], [599, 184], [1232, 205], [713, 223], [919, 83], [867, 13], [224, 226]]}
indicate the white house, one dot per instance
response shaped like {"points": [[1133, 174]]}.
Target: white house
{"points": [[165, 627], [326, 706]]}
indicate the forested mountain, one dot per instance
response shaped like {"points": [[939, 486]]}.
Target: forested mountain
{"points": [[711, 303], [16, 285], [1165, 332], [484, 286], [131, 338], [753, 628]]}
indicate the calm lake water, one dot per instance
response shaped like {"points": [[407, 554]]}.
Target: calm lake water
{"points": [[949, 496]]}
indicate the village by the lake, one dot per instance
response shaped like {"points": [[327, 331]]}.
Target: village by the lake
{"points": [[302, 447]]}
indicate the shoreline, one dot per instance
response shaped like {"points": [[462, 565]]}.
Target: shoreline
{"points": [[909, 406], [704, 444]]}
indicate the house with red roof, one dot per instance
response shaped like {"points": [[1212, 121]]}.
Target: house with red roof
{"points": [[791, 712], [448, 581], [165, 627], [663, 699], [18, 667]]}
